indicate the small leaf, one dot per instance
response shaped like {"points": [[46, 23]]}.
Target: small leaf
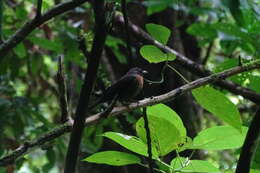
{"points": [[254, 82], [155, 6], [218, 104], [20, 50], [130, 142], [186, 165], [219, 138], [154, 55], [113, 158], [158, 32]]}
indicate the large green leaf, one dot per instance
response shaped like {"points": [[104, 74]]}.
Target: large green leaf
{"points": [[165, 136], [163, 111], [201, 166], [219, 138], [114, 158], [154, 55], [130, 142], [218, 104], [158, 32]]}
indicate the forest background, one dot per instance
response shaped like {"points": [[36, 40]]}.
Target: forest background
{"points": [[200, 96]]}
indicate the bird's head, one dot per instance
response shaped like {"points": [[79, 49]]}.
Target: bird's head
{"points": [[137, 70]]}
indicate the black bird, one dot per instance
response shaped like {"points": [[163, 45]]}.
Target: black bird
{"points": [[125, 89]]}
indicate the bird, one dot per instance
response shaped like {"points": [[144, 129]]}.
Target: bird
{"points": [[125, 89]]}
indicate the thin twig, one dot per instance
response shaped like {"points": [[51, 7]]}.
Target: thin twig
{"points": [[149, 141], [83, 47], [127, 34], [120, 110], [205, 59], [62, 91]]}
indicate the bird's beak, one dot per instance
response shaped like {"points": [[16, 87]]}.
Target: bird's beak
{"points": [[145, 72]]}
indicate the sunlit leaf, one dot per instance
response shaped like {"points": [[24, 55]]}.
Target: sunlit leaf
{"points": [[219, 138], [113, 158], [130, 142], [218, 104], [154, 55], [158, 32]]}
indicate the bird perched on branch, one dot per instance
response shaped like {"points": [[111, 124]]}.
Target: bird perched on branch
{"points": [[125, 89]]}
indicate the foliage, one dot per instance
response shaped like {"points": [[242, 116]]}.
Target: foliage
{"points": [[168, 135], [29, 96]]}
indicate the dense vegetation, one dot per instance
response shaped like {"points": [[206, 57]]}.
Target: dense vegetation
{"points": [[199, 105]]}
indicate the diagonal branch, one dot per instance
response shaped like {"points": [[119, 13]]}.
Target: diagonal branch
{"points": [[57, 132], [190, 65], [30, 25]]}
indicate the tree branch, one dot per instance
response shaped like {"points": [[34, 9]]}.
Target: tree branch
{"points": [[190, 65], [39, 9], [250, 145], [30, 25], [89, 81], [120, 110], [62, 88], [149, 141]]}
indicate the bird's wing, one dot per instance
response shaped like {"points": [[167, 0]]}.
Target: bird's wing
{"points": [[120, 85], [114, 89]]}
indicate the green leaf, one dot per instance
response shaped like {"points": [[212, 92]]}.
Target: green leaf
{"points": [[254, 170], [218, 104], [20, 50], [186, 165], [132, 143], [154, 55], [158, 32], [202, 30], [229, 63], [114, 43], [219, 138], [165, 136], [113, 158], [155, 6], [235, 31], [163, 111], [47, 44], [256, 160], [254, 82]]}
